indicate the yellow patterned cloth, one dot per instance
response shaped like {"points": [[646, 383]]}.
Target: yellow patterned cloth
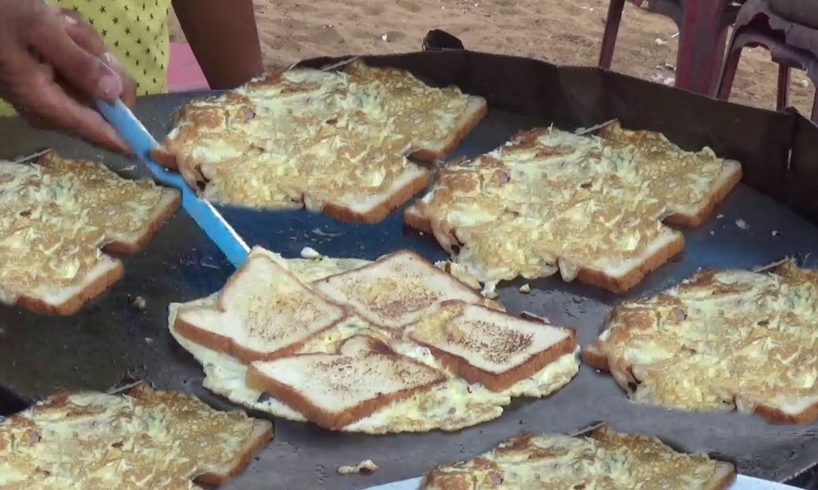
{"points": [[136, 31]]}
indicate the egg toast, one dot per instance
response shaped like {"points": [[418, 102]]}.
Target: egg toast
{"points": [[58, 220], [489, 347], [144, 439], [335, 140], [721, 340], [364, 376], [263, 312], [396, 290], [601, 458], [588, 207], [335, 390]]}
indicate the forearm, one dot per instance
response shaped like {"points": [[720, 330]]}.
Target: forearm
{"points": [[224, 38]]}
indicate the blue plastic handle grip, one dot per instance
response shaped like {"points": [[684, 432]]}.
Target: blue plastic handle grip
{"points": [[203, 213]]}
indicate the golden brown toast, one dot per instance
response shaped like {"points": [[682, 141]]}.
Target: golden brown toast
{"points": [[489, 347], [395, 290], [263, 312], [335, 390]]}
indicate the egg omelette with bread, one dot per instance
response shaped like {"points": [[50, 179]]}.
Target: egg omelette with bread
{"points": [[337, 140], [394, 345], [591, 207], [721, 340]]}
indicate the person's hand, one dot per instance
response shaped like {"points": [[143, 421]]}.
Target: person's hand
{"points": [[53, 65]]}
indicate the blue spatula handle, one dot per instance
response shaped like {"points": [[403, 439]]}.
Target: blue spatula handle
{"points": [[203, 213]]}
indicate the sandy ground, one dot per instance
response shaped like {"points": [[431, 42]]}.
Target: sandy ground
{"points": [[566, 32]]}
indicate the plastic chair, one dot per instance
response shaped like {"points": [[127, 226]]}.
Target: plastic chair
{"points": [[703, 33], [791, 45]]}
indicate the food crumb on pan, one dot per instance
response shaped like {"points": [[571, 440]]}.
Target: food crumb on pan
{"points": [[139, 303], [776, 233], [148, 340], [525, 288], [364, 467], [310, 253], [719, 216], [742, 224]]}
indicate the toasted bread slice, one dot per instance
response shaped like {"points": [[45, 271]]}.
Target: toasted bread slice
{"points": [[589, 207], [263, 312], [717, 328], [396, 289], [146, 438], [58, 214], [600, 459], [328, 388], [485, 346], [331, 141]]}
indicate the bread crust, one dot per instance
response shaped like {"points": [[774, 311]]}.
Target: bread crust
{"points": [[778, 416], [162, 155], [263, 433], [594, 357], [415, 218], [478, 110], [169, 203], [73, 304], [502, 381], [723, 478], [694, 221], [634, 276], [377, 214], [328, 420]]}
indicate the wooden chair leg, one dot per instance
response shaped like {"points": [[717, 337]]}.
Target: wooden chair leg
{"points": [[782, 97], [611, 31]]}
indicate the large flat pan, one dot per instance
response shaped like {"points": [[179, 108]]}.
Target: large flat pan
{"points": [[109, 339]]}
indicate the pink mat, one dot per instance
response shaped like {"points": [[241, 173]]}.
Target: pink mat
{"points": [[184, 72]]}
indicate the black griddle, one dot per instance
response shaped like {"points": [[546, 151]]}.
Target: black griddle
{"points": [[110, 339]]}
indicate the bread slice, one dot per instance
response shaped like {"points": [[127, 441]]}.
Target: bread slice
{"points": [[602, 458], [589, 207], [331, 141], [95, 440], [373, 208], [263, 312], [485, 346], [652, 148], [395, 290], [329, 389], [59, 213], [698, 346]]}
